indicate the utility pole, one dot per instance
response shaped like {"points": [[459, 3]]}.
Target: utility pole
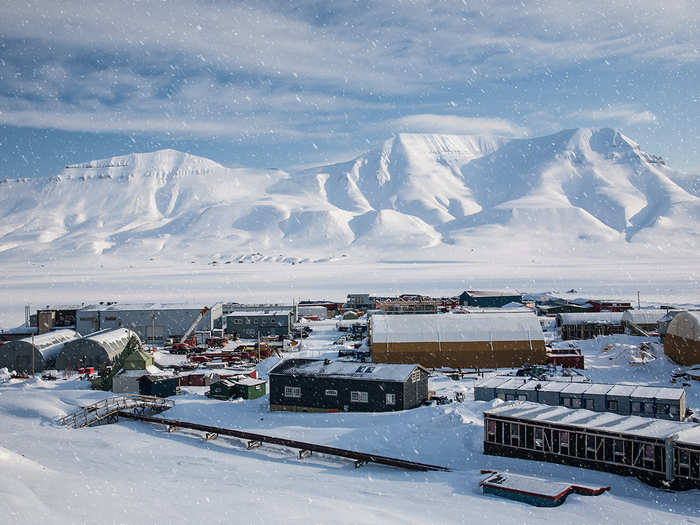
{"points": [[638, 303], [33, 350]]}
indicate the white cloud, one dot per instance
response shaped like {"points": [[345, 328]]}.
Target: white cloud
{"points": [[452, 124], [625, 114]]}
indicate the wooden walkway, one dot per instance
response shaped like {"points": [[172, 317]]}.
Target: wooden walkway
{"points": [[305, 449], [105, 411]]}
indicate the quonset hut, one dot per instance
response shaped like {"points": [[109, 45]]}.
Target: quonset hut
{"points": [[682, 340], [94, 349], [17, 355], [479, 340]]}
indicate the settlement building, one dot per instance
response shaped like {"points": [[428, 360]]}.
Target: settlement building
{"points": [[590, 324], [251, 325], [682, 340], [646, 320], [489, 299], [36, 353], [136, 365], [153, 322], [243, 387], [94, 349], [320, 385], [642, 447], [481, 340], [626, 400]]}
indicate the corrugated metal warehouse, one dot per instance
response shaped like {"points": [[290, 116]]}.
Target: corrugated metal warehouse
{"points": [[485, 340], [626, 400], [152, 322], [682, 340], [94, 349], [590, 324], [17, 355]]}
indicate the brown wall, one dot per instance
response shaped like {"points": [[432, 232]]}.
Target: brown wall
{"points": [[683, 351], [499, 354]]}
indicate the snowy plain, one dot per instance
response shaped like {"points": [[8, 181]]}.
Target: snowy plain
{"points": [[132, 472]]}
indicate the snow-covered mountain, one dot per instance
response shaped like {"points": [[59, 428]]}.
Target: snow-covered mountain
{"points": [[417, 196]]}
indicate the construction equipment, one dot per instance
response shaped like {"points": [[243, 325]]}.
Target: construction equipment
{"points": [[188, 342]]}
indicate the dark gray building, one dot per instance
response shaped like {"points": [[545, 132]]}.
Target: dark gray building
{"points": [[320, 385], [626, 400], [489, 299], [251, 325]]}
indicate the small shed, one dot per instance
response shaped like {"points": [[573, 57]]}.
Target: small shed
{"points": [[94, 350], [38, 352], [682, 340], [159, 386], [244, 387], [647, 320], [589, 325]]}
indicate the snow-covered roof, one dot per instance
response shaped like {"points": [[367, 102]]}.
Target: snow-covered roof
{"points": [[344, 369], [576, 388], [604, 421], [150, 370], [691, 435], [249, 381], [535, 486], [282, 313], [643, 316], [455, 328], [590, 318], [110, 336], [49, 339], [494, 293], [141, 306]]}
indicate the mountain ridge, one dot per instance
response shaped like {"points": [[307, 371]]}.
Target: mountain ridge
{"points": [[450, 194]]}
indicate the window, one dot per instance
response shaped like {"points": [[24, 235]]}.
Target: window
{"points": [[648, 407], [391, 399], [522, 397], [510, 397], [612, 405], [110, 318], [331, 392], [415, 376], [636, 407], [539, 438], [567, 402], [292, 391], [683, 458], [257, 387], [564, 438], [589, 404], [238, 321], [514, 434], [590, 444], [648, 452], [491, 430], [619, 451], [501, 396], [358, 397], [575, 403]]}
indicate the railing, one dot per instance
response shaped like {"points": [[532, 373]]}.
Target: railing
{"points": [[107, 408]]}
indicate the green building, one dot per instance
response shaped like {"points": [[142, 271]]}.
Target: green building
{"points": [[138, 360], [158, 386], [246, 388]]}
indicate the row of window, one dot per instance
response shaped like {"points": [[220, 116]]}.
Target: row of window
{"points": [[577, 402], [355, 396], [257, 320]]}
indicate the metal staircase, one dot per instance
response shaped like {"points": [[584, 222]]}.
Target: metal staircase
{"points": [[105, 411]]}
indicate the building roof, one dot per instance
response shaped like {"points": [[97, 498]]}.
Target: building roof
{"points": [[265, 313], [604, 421], [643, 316], [50, 339], [142, 306], [590, 318], [576, 388], [455, 328], [493, 293], [110, 336], [343, 369]]}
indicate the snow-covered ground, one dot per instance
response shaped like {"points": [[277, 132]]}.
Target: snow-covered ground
{"points": [[133, 472]]}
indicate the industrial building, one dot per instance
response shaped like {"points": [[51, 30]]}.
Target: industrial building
{"points": [[229, 308], [682, 340], [36, 353], [626, 400], [94, 350], [473, 340], [154, 323], [656, 451], [489, 299], [320, 385], [251, 325], [589, 325], [318, 313]]}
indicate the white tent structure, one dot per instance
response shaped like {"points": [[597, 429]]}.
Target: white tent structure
{"points": [[94, 349]]}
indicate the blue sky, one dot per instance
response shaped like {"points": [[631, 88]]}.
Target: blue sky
{"points": [[287, 84]]}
